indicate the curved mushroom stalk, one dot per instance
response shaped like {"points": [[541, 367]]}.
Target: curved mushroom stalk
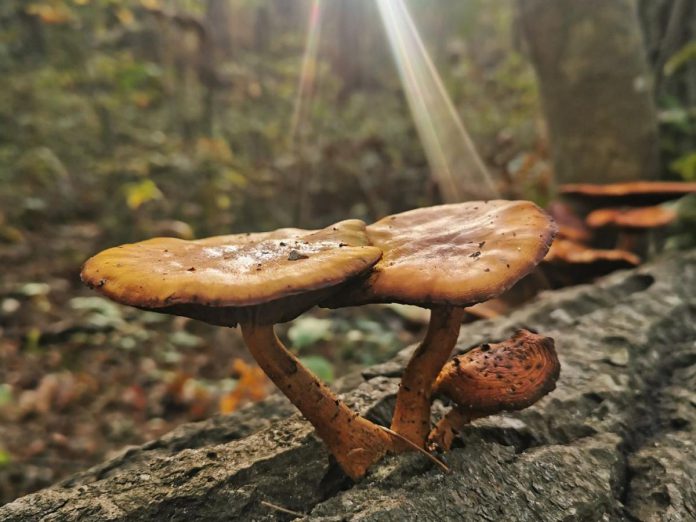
{"points": [[412, 412], [355, 442], [493, 378]]}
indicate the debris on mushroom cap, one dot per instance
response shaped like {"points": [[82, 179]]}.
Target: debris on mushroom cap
{"points": [[207, 279], [564, 251], [644, 217], [457, 254], [510, 375], [635, 192]]}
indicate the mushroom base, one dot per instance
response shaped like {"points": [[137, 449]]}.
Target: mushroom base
{"points": [[355, 442]]}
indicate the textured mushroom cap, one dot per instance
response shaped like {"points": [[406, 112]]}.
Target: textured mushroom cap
{"points": [[208, 279], [457, 254], [635, 192], [510, 375], [637, 218]]}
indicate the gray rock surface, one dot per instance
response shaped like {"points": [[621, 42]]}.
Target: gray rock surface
{"points": [[615, 441]]}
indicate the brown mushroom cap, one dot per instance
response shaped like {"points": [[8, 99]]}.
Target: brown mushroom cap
{"points": [[635, 218], [457, 254], [633, 193], [510, 375], [221, 279], [568, 252]]}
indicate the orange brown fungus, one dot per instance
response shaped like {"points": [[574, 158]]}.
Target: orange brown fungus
{"points": [[444, 258], [636, 193], [256, 280], [493, 378], [577, 256], [635, 218]]}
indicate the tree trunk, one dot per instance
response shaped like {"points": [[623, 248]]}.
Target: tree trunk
{"points": [[613, 442], [595, 87]]}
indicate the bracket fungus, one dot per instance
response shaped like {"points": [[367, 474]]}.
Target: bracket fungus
{"points": [[634, 193], [445, 258], [256, 280], [493, 378]]}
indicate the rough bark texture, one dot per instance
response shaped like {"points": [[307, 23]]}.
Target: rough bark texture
{"points": [[614, 441], [595, 88]]}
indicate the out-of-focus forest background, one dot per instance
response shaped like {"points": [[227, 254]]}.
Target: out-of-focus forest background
{"points": [[122, 120]]}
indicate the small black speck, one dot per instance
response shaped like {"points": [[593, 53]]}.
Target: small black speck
{"points": [[485, 347], [475, 255], [101, 283], [487, 270], [283, 243], [481, 244], [192, 269]]}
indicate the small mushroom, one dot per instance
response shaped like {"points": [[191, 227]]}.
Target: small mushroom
{"points": [[568, 263], [444, 258], [493, 378], [633, 224], [255, 281]]}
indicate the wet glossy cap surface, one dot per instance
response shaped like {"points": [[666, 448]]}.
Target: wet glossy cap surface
{"points": [[231, 271]]}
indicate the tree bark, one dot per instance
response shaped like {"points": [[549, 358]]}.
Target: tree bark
{"points": [[595, 87]]}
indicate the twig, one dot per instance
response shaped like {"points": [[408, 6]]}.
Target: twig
{"points": [[281, 508], [437, 461]]}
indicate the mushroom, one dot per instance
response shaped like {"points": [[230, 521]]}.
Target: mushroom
{"points": [[635, 193], [568, 262], [632, 223], [256, 280], [493, 378], [570, 225], [445, 258]]}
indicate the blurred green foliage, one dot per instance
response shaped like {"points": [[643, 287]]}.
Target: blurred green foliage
{"points": [[121, 113]]}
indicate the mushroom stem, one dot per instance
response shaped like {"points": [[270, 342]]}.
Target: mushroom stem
{"points": [[442, 435], [412, 412], [355, 442]]}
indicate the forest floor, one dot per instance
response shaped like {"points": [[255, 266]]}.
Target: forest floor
{"points": [[82, 377]]}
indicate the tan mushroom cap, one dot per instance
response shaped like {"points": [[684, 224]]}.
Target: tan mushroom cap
{"points": [[636, 218], [207, 278], [457, 254]]}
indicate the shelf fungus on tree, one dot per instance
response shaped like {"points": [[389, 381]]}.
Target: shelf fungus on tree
{"points": [[568, 263], [634, 193], [493, 378], [635, 225], [445, 258], [256, 280]]}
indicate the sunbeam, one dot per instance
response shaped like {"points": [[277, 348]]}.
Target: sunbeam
{"points": [[453, 159], [305, 85]]}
